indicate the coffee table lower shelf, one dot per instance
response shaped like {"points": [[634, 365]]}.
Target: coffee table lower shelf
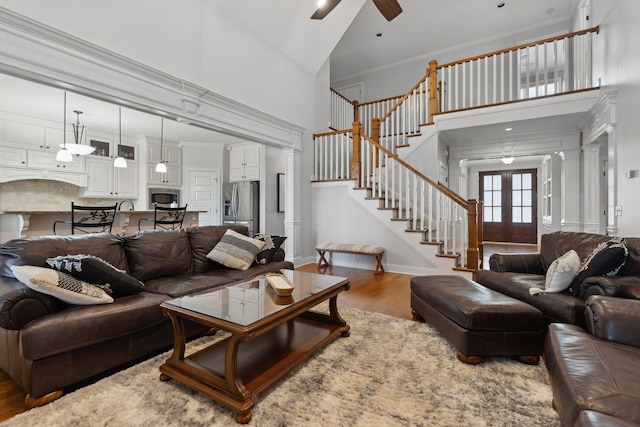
{"points": [[259, 361]]}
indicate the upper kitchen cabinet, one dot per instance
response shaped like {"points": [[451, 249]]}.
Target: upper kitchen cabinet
{"points": [[244, 163], [107, 181], [171, 156]]}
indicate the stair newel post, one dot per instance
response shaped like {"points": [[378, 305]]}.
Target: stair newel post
{"points": [[375, 130], [356, 105], [355, 160], [433, 90], [472, 250]]}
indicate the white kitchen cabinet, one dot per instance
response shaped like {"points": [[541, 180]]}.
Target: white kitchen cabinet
{"points": [[16, 157], [172, 155], [172, 158], [106, 181], [244, 163], [47, 160], [172, 178]]}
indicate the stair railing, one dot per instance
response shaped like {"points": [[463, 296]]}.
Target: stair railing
{"points": [[440, 214], [343, 111], [551, 66], [333, 155]]}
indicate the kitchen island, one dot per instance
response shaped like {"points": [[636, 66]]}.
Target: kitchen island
{"points": [[15, 224]]}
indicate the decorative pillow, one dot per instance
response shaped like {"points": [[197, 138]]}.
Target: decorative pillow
{"points": [[97, 271], [605, 260], [60, 285], [271, 246], [235, 250], [560, 274]]}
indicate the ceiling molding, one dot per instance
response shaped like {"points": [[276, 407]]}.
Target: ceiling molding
{"points": [[43, 54]]}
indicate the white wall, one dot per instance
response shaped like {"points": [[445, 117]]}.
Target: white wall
{"points": [[339, 218], [617, 63], [274, 164]]}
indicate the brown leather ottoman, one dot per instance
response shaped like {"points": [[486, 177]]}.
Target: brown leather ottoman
{"points": [[478, 321]]}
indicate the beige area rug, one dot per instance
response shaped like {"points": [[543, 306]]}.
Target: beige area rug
{"points": [[389, 372]]}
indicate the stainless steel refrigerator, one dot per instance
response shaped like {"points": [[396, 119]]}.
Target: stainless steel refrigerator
{"points": [[242, 205]]}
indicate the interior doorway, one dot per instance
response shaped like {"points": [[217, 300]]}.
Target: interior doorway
{"points": [[510, 210], [204, 195]]}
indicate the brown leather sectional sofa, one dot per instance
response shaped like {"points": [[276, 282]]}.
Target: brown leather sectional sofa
{"points": [[592, 348], [47, 345], [515, 274]]}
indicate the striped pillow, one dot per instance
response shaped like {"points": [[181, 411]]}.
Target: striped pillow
{"points": [[235, 250]]}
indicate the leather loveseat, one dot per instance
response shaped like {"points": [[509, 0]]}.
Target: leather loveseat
{"points": [[515, 274], [47, 345], [594, 373]]}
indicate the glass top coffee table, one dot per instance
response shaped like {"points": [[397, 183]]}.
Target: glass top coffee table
{"points": [[270, 336]]}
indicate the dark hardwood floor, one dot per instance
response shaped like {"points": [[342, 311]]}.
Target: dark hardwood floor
{"points": [[387, 293]]}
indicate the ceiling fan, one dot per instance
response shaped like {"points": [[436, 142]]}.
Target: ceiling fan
{"points": [[388, 8]]}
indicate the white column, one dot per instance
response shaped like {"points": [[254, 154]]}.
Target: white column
{"points": [[292, 222], [613, 210], [570, 199], [591, 188]]}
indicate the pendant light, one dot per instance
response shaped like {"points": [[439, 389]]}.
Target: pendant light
{"points": [[78, 148], [120, 162], [161, 167], [63, 154]]}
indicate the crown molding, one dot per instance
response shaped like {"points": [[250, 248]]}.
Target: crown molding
{"points": [[46, 55]]}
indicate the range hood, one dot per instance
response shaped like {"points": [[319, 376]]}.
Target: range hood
{"points": [[18, 174]]}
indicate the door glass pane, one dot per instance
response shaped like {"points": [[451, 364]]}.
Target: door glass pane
{"points": [[526, 198], [526, 215], [486, 213], [488, 200], [526, 181], [516, 198], [497, 182], [487, 182], [517, 214], [516, 181]]}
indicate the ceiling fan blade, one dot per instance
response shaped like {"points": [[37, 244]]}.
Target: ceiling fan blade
{"points": [[325, 9], [388, 8]]}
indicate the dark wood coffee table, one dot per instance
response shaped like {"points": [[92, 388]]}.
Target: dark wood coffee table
{"points": [[270, 336]]}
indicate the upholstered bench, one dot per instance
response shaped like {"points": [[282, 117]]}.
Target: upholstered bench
{"points": [[478, 321], [350, 248]]}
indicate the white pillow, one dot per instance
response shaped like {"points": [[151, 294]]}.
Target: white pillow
{"points": [[560, 274], [60, 285], [235, 250]]}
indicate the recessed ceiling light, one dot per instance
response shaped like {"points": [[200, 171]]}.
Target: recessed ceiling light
{"points": [[501, 4], [508, 129]]}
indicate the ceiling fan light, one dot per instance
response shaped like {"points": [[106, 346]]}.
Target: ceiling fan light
{"points": [[120, 162], [64, 155], [161, 168]]}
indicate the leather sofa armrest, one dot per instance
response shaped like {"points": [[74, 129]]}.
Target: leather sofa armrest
{"points": [[20, 305], [611, 286], [516, 263], [614, 319]]}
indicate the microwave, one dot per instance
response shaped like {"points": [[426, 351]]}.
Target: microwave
{"points": [[164, 197]]}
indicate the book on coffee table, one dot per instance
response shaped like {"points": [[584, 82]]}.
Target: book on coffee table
{"points": [[279, 283]]}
